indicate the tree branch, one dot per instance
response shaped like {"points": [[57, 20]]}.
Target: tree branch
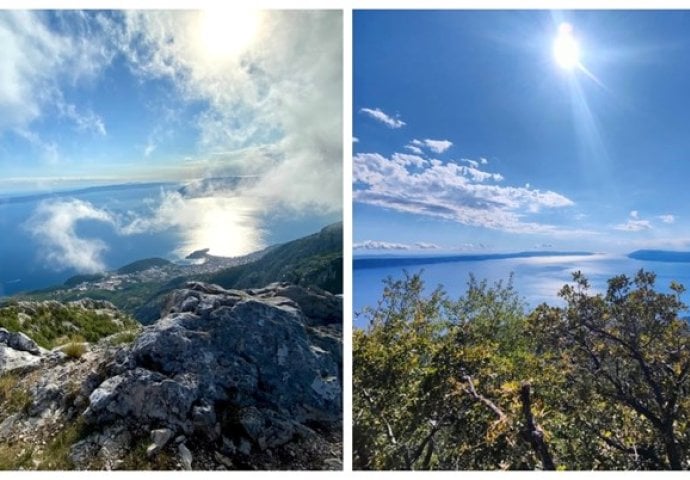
{"points": [[389, 429], [533, 433], [647, 453], [481, 398]]}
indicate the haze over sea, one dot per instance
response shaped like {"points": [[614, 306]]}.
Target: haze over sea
{"points": [[130, 222], [536, 279]]}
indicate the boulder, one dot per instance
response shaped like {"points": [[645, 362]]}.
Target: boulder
{"points": [[11, 359], [319, 306], [141, 396], [19, 341]]}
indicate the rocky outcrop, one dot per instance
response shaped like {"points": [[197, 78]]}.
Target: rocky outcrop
{"points": [[225, 379], [17, 351], [243, 366]]}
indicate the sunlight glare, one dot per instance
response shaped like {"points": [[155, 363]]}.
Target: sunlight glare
{"points": [[565, 48], [227, 226], [226, 33]]}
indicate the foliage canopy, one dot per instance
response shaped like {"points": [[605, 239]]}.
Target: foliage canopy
{"points": [[479, 383]]}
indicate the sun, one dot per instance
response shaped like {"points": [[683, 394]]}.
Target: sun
{"points": [[225, 33], [566, 50]]}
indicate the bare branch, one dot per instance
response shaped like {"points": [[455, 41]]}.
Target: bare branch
{"points": [[481, 398]]}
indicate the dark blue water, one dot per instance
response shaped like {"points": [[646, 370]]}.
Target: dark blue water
{"points": [[537, 280], [23, 266]]}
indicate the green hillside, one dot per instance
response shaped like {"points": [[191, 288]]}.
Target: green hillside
{"points": [[315, 260], [51, 323], [145, 264]]}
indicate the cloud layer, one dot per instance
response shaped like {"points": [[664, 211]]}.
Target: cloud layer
{"points": [[273, 106], [461, 193], [53, 225], [36, 62], [219, 221], [281, 98], [382, 245]]}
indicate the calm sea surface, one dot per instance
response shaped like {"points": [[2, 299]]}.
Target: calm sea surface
{"points": [[536, 280], [23, 266]]}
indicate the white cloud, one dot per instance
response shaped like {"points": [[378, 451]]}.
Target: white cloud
{"points": [[414, 149], [35, 64], [451, 191], [355, 140], [204, 217], [53, 224], [427, 246], [379, 245], [281, 95], [150, 147], [405, 159], [471, 163], [84, 120], [438, 146], [634, 226], [383, 245], [483, 161], [379, 115], [472, 246], [634, 223], [668, 218]]}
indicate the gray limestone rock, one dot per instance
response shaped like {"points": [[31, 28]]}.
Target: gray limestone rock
{"points": [[11, 359], [185, 456], [249, 367]]}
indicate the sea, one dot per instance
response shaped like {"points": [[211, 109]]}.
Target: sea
{"points": [[536, 279], [23, 263]]}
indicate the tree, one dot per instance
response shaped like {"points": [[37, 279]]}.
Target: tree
{"points": [[475, 383], [630, 351]]}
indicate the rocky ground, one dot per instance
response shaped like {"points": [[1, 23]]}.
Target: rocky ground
{"points": [[226, 379]]}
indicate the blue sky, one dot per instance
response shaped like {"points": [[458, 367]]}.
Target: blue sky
{"points": [[110, 96], [470, 136], [91, 98]]}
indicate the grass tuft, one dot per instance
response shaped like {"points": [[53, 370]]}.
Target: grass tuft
{"points": [[75, 348]]}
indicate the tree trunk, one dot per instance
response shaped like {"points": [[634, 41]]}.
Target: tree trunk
{"points": [[673, 453], [533, 434]]}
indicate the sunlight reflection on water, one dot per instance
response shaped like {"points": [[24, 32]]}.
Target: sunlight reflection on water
{"points": [[227, 226]]}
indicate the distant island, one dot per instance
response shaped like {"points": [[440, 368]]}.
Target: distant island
{"points": [[660, 256], [382, 262]]}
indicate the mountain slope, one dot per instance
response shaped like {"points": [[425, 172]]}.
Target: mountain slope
{"points": [[141, 287], [315, 260], [224, 380]]}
